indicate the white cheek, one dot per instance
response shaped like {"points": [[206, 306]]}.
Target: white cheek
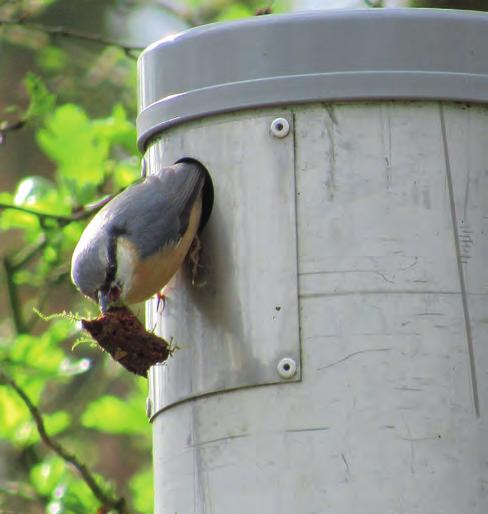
{"points": [[125, 269]]}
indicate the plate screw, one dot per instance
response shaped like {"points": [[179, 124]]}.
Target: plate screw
{"points": [[287, 367], [280, 127]]}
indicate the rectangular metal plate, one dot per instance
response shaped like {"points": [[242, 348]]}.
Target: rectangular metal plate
{"points": [[234, 330]]}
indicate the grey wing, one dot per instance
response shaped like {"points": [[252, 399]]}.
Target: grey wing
{"points": [[157, 210]]}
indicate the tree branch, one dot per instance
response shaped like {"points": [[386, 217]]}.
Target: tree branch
{"points": [[60, 31], [13, 296], [118, 504], [83, 213], [10, 127], [24, 256], [12, 265]]}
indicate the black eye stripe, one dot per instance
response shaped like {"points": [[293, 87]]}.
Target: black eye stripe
{"points": [[115, 232]]}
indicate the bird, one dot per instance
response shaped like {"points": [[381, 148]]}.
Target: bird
{"points": [[134, 245]]}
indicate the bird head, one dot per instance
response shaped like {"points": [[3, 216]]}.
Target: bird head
{"points": [[100, 267]]}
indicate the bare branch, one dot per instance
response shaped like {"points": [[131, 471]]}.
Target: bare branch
{"points": [[65, 32], [83, 213], [13, 297], [118, 504], [10, 127]]}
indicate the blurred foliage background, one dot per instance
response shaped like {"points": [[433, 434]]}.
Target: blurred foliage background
{"points": [[74, 437]]}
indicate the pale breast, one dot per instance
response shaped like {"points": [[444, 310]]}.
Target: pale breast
{"points": [[154, 272]]}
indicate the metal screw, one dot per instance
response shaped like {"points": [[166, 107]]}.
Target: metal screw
{"points": [[287, 367], [148, 407], [280, 127]]}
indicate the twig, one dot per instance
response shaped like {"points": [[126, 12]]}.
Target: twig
{"points": [[15, 125], [12, 265], [106, 500], [24, 256], [81, 214], [10, 127], [60, 31], [13, 296]]}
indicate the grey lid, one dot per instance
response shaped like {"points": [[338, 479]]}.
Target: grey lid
{"points": [[313, 56]]}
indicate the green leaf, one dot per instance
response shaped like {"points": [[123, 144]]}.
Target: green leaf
{"points": [[141, 487], [71, 234], [115, 416], [74, 498], [6, 197], [56, 422], [43, 352], [41, 100], [71, 140], [51, 58], [118, 130], [235, 12], [31, 189], [125, 173], [11, 219], [13, 412], [77, 498], [40, 194], [47, 475], [26, 434]]}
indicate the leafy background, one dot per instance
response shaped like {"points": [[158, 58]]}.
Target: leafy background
{"points": [[67, 140]]}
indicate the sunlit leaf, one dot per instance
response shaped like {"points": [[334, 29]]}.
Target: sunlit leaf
{"points": [[56, 422], [125, 174], [115, 416], [11, 219], [70, 139], [141, 487], [32, 189], [235, 12], [41, 195], [41, 100], [50, 254], [26, 434], [12, 412], [42, 352], [47, 475], [6, 197], [77, 498], [118, 130], [71, 233]]}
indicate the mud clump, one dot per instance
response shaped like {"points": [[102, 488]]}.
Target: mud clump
{"points": [[125, 338]]}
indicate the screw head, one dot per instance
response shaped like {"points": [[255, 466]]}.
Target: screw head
{"points": [[280, 127], [287, 368]]}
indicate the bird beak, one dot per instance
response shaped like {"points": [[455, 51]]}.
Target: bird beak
{"points": [[104, 300]]}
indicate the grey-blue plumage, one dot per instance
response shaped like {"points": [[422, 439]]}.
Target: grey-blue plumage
{"points": [[151, 215]]}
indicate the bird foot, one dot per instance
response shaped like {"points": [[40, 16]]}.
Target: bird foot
{"points": [[194, 256], [161, 302]]}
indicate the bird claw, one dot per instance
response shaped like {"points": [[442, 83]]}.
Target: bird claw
{"points": [[161, 300]]}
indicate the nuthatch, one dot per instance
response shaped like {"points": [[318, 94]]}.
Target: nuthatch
{"points": [[136, 243]]}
